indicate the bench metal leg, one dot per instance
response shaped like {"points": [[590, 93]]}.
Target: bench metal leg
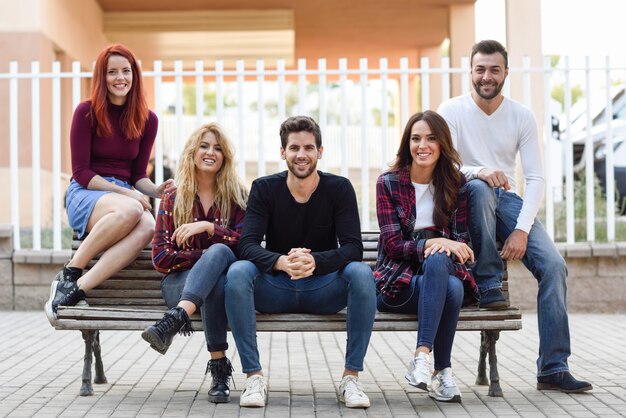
{"points": [[100, 377], [488, 341], [92, 348]]}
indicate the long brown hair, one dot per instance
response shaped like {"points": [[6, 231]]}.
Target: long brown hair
{"points": [[228, 188], [136, 112], [446, 176]]}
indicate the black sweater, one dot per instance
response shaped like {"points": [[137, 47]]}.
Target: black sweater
{"points": [[328, 223]]}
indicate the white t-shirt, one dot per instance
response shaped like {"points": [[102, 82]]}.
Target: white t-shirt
{"points": [[424, 206], [492, 141]]}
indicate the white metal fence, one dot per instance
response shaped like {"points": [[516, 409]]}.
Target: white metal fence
{"points": [[361, 110]]}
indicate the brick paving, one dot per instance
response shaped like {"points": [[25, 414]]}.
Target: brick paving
{"points": [[40, 374]]}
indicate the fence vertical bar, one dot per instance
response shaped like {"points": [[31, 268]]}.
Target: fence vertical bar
{"points": [[425, 83], [56, 156], [321, 83], [445, 78], [343, 76], [404, 89], [241, 163], [302, 86], [465, 70], [178, 82], [158, 141], [219, 91], [527, 84], [14, 155], [365, 166], [384, 113], [36, 152], [609, 167], [75, 84], [589, 174], [569, 158], [199, 92], [260, 68], [280, 67], [548, 142]]}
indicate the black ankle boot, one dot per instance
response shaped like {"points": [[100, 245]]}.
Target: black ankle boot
{"points": [[62, 293], [69, 274], [221, 372], [161, 334]]}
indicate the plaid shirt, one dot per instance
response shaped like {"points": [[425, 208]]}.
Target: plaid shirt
{"points": [[167, 256], [399, 255]]}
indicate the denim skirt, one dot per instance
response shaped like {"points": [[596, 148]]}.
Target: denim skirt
{"points": [[79, 203]]}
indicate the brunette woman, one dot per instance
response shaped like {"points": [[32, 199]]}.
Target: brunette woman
{"points": [[107, 205], [422, 251], [197, 232]]}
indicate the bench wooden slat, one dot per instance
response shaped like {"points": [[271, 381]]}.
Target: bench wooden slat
{"points": [[152, 315], [325, 326]]}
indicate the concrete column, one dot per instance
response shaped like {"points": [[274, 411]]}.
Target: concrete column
{"points": [[520, 16], [462, 29]]}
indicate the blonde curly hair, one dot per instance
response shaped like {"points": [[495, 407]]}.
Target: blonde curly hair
{"points": [[229, 187]]}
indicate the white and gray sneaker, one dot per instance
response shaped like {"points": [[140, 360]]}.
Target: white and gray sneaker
{"points": [[351, 393], [443, 388], [255, 392], [419, 371]]}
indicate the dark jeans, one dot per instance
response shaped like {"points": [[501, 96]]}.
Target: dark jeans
{"points": [[436, 297], [203, 285], [248, 288]]}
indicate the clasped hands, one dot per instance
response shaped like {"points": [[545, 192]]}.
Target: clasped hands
{"points": [[298, 263]]}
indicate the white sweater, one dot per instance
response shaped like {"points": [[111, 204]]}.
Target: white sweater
{"points": [[492, 141]]}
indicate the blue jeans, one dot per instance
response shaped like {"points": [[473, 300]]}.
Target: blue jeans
{"points": [[493, 214], [248, 289], [436, 297], [203, 285]]}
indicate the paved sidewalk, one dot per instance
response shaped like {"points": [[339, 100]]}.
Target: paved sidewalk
{"points": [[40, 374]]}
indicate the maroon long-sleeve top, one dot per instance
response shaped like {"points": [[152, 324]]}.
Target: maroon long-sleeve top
{"points": [[116, 155]]}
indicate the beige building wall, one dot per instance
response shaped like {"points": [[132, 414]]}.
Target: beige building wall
{"points": [[43, 31], [73, 30]]}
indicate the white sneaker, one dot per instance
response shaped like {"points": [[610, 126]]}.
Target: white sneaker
{"points": [[255, 392], [351, 393], [443, 388], [419, 371]]}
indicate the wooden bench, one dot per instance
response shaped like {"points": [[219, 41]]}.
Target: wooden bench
{"points": [[131, 300]]}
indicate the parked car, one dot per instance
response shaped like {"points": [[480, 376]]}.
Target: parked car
{"points": [[599, 135]]}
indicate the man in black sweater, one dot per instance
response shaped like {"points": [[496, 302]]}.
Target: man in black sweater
{"points": [[311, 261]]}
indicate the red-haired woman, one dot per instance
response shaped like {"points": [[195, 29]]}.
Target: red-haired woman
{"points": [[110, 140]]}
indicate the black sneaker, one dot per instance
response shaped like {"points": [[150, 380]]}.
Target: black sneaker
{"points": [[564, 382], [493, 299], [71, 274], [221, 372], [62, 293], [161, 334]]}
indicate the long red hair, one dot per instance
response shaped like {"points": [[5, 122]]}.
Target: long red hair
{"points": [[135, 115]]}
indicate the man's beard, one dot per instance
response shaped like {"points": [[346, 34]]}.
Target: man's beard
{"points": [[291, 167], [490, 96]]}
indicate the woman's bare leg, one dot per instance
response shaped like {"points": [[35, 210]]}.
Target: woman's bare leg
{"points": [[120, 254], [113, 218]]}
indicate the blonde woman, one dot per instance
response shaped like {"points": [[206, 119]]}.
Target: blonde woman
{"points": [[197, 232]]}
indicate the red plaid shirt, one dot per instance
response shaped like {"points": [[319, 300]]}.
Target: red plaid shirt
{"points": [[167, 256], [400, 256]]}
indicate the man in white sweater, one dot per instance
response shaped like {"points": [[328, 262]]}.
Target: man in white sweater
{"points": [[488, 130]]}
